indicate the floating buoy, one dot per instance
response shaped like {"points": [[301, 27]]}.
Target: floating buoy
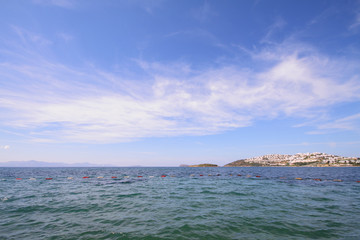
{"points": [[218, 174], [48, 178], [86, 177], [317, 179], [139, 176], [192, 175], [239, 175], [100, 177], [18, 178], [70, 178], [298, 178], [337, 180], [257, 176], [209, 175], [113, 177], [358, 181], [163, 175], [201, 175]]}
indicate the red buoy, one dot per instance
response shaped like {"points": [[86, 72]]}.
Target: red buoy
{"points": [[18, 178], [113, 177], [201, 175], [163, 175], [239, 175], [317, 179], [356, 181], [49, 178], [139, 176], [257, 176], [86, 177]]}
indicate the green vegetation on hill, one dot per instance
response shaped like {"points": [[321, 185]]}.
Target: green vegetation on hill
{"points": [[242, 163], [204, 165]]}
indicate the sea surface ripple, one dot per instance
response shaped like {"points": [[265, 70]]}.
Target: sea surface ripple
{"points": [[189, 203]]}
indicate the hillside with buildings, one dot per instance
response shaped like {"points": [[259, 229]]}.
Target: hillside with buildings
{"points": [[300, 159]]}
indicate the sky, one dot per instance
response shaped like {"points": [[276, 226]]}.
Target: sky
{"points": [[164, 83]]}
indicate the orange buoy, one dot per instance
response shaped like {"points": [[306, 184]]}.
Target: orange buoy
{"points": [[317, 179], [337, 180], [49, 178], [298, 178], [257, 176], [86, 177], [113, 177], [239, 175], [18, 178], [163, 175]]}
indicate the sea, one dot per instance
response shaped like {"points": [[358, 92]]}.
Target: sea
{"points": [[180, 203]]}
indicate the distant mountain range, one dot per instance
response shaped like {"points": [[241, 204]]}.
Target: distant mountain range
{"points": [[33, 163]]}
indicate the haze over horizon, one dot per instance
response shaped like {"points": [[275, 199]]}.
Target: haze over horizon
{"points": [[164, 83]]}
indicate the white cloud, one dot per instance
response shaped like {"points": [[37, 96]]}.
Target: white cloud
{"points": [[53, 102], [5, 147]]}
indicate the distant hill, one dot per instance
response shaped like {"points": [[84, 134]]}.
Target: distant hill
{"points": [[33, 163]]}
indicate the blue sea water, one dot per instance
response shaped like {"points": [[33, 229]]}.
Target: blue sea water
{"points": [[183, 205]]}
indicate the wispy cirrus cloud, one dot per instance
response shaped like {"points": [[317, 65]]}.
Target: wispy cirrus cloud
{"points": [[28, 37], [50, 101], [65, 36], [272, 30], [57, 3], [356, 23], [204, 12], [349, 123]]}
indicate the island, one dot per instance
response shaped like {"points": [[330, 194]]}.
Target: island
{"points": [[204, 165]]}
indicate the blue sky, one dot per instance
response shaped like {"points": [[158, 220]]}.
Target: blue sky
{"points": [[163, 83]]}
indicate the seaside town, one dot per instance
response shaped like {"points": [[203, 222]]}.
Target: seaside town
{"points": [[300, 159]]}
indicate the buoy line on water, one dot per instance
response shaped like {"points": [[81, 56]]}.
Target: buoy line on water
{"points": [[191, 175]]}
